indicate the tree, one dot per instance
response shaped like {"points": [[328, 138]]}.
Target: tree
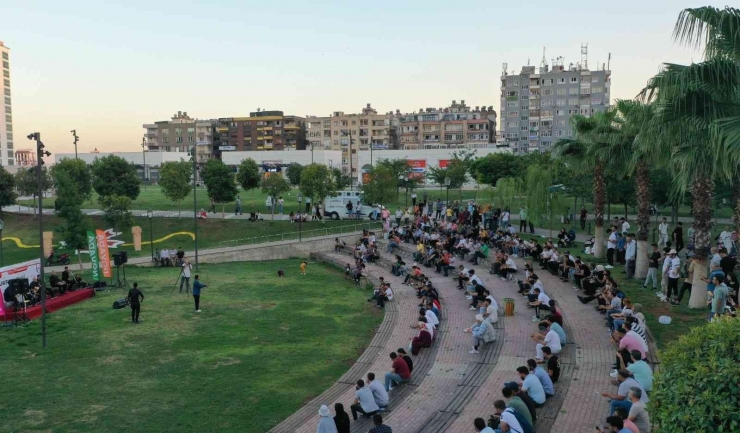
{"points": [[78, 172], [113, 175], [274, 186], [542, 197], [400, 169], [686, 396], [318, 182], [294, 173], [248, 175], [458, 174], [466, 157], [69, 200], [174, 179], [117, 212], [495, 166], [437, 175], [381, 185], [7, 189], [219, 181], [507, 188], [341, 180], [27, 182], [698, 110]]}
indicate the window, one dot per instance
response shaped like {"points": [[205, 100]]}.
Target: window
{"points": [[547, 113], [512, 114], [525, 86], [7, 83], [573, 91], [573, 79], [561, 80], [585, 111], [548, 102], [560, 112], [179, 139], [594, 78], [512, 124], [5, 56], [524, 118], [546, 134], [597, 89], [513, 83], [595, 101], [6, 73], [524, 128], [165, 139], [573, 101], [6, 65], [512, 104], [11, 161], [524, 97], [585, 90], [526, 107], [548, 82], [558, 133], [534, 124], [547, 92], [560, 103], [512, 93], [562, 122], [561, 92]]}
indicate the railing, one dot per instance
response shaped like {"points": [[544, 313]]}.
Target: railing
{"points": [[304, 234]]}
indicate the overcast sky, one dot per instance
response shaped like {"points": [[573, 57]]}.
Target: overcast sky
{"points": [[106, 69]]}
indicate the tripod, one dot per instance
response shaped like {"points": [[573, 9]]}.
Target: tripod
{"points": [[176, 280], [121, 283], [20, 317]]}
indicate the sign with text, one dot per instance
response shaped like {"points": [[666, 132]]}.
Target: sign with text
{"points": [[26, 270], [443, 163], [102, 238], [92, 248]]}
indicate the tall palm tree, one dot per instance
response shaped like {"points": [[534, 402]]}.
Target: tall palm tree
{"points": [[698, 107]]}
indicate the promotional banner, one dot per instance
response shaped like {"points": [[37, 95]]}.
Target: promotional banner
{"points": [[443, 163], [26, 270], [92, 247], [104, 257], [418, 169]]}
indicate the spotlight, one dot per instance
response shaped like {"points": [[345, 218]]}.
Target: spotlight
{"points": [[31, 136]]}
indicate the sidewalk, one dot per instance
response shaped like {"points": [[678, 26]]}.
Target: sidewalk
{"points": [[142, 213]]}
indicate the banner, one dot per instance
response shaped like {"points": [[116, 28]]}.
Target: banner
{"points": [[104, 257], [26, 270], [92, 248], [443, 163]]}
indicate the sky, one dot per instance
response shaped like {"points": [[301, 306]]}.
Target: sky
{"points": [[106, 68]]}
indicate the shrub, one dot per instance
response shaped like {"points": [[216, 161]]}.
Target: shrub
{"points": [[697, 387]]}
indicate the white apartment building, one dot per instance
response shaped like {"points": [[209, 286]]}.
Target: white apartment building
{"points": [[7, 155]]}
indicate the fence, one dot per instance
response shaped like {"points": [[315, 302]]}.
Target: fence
{"points": [[294, 235]]}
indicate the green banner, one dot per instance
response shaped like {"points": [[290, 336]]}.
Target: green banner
{"points": [[92, 247]]}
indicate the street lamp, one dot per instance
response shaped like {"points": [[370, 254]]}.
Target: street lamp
{"points": [[300, 218], [143, 154], [40, 153], [195, 206], [2, 224], [448, 182], [74, 134], [149, 215]]}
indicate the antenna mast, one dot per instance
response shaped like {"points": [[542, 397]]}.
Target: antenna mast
{"points": [[584, 56]]}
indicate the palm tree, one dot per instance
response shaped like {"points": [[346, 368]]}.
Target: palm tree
{"points": [[698, 107]]}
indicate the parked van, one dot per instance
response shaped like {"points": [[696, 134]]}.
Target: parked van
{"points": [[336, 207]]}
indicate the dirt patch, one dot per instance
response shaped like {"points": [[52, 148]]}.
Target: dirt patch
{"points": [[227, 362], [35, 417], [113, 359]]}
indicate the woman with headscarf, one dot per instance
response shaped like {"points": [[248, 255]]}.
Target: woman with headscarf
{"points": [[341, 419], [326, 424]]}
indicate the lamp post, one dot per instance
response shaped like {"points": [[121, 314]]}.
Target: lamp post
{"points": [[149, 215], [448, 182], [74, 134], [2, 224], [300, 218], [311, 152], [195, 207], [40, 153], [143, 154], [401, 178]]}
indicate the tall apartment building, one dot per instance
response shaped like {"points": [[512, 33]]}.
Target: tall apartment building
{"points": [[536, 106], [7, 157], [457, 126], [351, 133], [180, 134], [262, 130]]}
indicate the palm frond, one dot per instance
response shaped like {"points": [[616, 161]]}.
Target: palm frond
{"points": [[718, 30]]}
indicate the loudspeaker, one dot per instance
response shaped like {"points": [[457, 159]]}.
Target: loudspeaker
{"points": [[20, 285], [120, 258]]}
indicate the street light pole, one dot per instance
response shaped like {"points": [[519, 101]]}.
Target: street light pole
{"points": [[300, 218], [195, 208], [74, 134], [149, 215], [448, 182], [143, 154], [2, 224], [40, 153], [311, 153]]}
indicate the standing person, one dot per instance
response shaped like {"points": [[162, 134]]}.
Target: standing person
{"points": [[663, 232], [719, 296], [611, 245], [629, 256], [523, 220], [185, 276], [653, 258], [688, 273], [341, 419], [326, 423], [584, 215], [281, 203], [671, 270], [505, 218], [213, 207], [134, 300], [625, 226], [399, 215], [425, 197], [308, 205], [197, 285], [438, 209], [678, 237], [413, 199], [238, 209]]}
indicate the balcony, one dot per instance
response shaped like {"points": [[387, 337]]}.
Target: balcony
{"points": [[534, 113], [534, 96]]}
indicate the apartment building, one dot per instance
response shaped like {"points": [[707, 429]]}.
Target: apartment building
{"points": [[351, 133], [456, 126], [25, 157], [180, 134], [261, 131], [7, 156], [537, 105]]}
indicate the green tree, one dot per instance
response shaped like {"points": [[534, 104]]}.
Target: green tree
{"points": [[400, 169], [7, 189], [457, 171], [117, 212], [113, 175], [543, 199], [318, 182], [437, 176], [507, 188], [69, 201], [27, 182], [495, 166], [78, 172], [248, 175], [174, 179], [687, 395], [381, 185], [274, 186], [341, 180], [294, 173], [220, 184]]}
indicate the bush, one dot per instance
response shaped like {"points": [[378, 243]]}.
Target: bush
{"points": [[697, 388]]}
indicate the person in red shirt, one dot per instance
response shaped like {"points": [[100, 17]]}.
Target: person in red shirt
{"points": [[399, 372]]}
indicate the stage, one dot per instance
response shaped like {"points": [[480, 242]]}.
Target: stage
{"points": [[53, 304]]}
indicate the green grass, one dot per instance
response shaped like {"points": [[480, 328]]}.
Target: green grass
{"points": [[261, 347], [212, 233]]}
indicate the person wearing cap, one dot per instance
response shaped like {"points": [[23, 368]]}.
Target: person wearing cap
{"points": [[482, 332], [671, 271], [326, 423], [620, 399]]}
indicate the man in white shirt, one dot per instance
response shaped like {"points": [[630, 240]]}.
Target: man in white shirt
{"points": [[611, 245], [505, 219], [630, 253], [625, 226], [674, 268], [185, 277], [551, 339], [663, 232], [541, 303], [164, 257], [489, 312]]}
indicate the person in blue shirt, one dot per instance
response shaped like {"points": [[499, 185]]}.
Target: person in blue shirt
{"points": [[543, 377], [532, 385], [197, 285]]}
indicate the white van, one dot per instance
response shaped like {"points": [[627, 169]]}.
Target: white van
{"points": [[336, 207]]}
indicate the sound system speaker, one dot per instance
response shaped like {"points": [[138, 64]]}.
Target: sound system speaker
{"points": [[120, 258]]}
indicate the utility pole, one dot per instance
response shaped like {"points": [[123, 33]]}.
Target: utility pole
{"points": [[143, 154], [195, 208], [74, 134], [350, 160], [40, 153]]}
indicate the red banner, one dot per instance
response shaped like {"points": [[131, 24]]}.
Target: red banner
{"points": [[443, 163], [103, 253], [417, 164]]}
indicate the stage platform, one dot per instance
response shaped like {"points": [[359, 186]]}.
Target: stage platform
{"points": [[54, 304]]}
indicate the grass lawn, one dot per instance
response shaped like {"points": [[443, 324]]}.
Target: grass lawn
{"points": [[261, 347], [212, 233]]}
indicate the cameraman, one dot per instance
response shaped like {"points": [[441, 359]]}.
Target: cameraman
{"points": [[185, 276]]}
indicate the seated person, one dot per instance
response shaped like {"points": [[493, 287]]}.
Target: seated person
{"points": [[364, 401], [164, 257], [423, 338], [379, 394], [549, 339], [532, 385], [398, 374], [555, 326], [55, 283], [543, 377], [402, 353], [542, 302], [78, 282], [507, 269], [482, 331]]}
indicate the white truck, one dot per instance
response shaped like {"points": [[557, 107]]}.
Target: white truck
{"points": [[336, 207]]}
